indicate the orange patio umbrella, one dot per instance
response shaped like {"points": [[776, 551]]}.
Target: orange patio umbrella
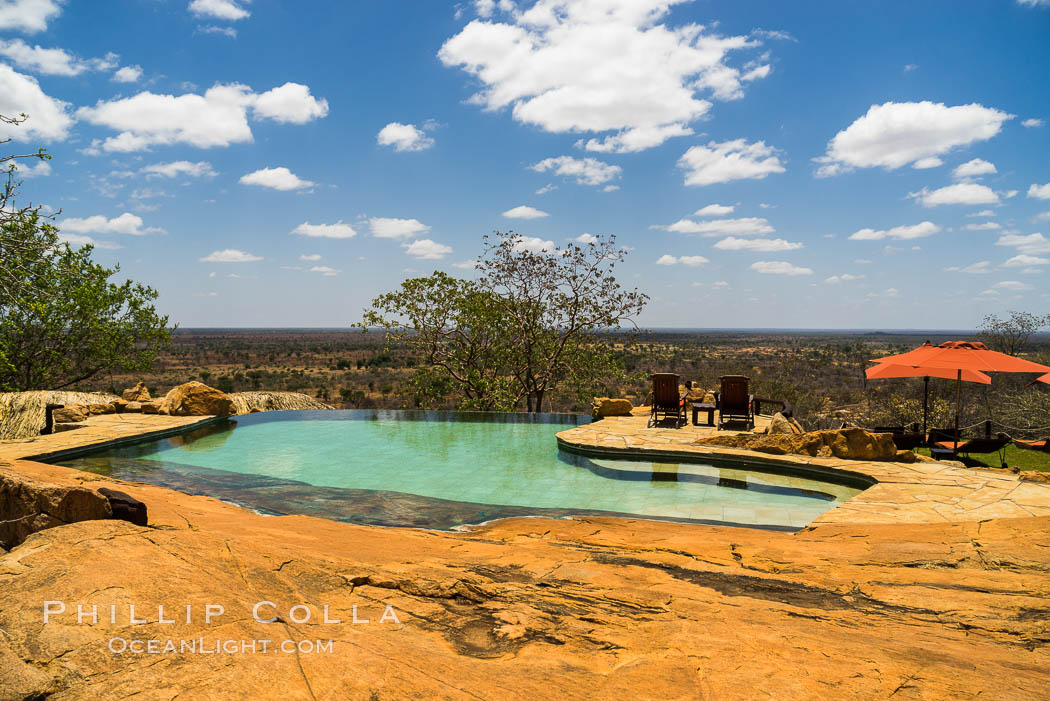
{"points": [[960, 357], [897, 370]]}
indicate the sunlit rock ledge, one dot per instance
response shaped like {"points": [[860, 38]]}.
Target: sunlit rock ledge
{"points": [[545, 608]]}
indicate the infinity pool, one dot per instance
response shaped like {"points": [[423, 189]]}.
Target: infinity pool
{"points": [[446, 469]]}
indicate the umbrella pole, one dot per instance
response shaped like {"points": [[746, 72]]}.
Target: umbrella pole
{"points": [[925, 404], [958, 405]]}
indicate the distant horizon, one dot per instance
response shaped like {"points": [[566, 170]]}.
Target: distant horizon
{"points": [[678, 329]]}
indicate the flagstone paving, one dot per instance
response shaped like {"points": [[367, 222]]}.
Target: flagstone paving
{"points": [[98, 430], [933, 492]]}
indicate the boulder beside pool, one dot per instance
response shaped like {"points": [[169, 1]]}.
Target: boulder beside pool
{"points": [[604, 406], [125, 507], [846, 443], [197, 399], [138, 393]]}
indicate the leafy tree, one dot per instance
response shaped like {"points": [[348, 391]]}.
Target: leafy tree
{"points": [[457, 328], [14, 274], [62, 320], [556, 301], [530, 325], [1011, 335]]}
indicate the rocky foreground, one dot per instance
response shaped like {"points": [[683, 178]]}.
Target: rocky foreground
{"points": [[525, 608]]}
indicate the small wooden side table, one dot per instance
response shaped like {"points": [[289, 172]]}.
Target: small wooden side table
{"points": [[709, 408]]}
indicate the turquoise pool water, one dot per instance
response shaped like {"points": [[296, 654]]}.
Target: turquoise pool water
{"points": [[443, 469]]}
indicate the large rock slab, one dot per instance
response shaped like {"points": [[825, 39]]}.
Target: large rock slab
{"points": [[604, 406], [70, 414], [781, 425], [138, 393], [532, 608], [29, 505], [197, 399], [846, 443]]}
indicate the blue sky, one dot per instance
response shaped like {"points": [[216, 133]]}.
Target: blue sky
{"points": [[768, 164]]}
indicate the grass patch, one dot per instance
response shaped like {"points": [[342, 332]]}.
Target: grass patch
{"points": [[1015, 457]]}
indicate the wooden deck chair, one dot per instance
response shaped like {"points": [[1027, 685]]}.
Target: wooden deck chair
{"points": [[668, 403], [735, 404]]}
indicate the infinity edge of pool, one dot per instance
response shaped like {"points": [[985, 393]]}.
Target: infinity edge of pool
{"points": [[378, 506]]}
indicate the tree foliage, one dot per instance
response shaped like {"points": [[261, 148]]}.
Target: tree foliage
{"points": [[62, 319], [14, 276], [1011, 335], [529, 325]]}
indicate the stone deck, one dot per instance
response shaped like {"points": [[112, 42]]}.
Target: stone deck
{"points": [[935, 492], [105, 429]]}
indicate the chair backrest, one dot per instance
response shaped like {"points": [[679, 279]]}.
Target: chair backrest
{"points": [[734, 392], [665, 389]]}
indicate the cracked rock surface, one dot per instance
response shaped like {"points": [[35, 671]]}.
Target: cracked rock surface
{"points": [[526, 608]]}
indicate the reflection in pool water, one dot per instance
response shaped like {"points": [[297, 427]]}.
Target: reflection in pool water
{"points": [[444, 469]]}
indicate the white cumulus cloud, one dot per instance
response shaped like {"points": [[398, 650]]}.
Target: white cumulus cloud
{"points": [[974, 168], [220, 9], [200, 169], [586, 171], [1024, 260], [51, 61], [761, 245], [404, 137], [386, 228], [1041, 192], [1013, 285], [32, 168], [895, 134], [1032, 244], [290, 103], [691, 261], [844, 277], [744, 226], [729, 160], [325, 270], [76, 241], [960, 193], [979, 268], [126, 223], [426, 249], [984, 226], [532, 244], [127, 74], [230, 255], [902, 233], [927, 163], [634, 140], [339, 230], [310, 257], [779, 267], [28, 16], [600, 66], [279, 178], [1032, 123], [525, 212], [714, 210], [219, 117], [49, 119]]}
